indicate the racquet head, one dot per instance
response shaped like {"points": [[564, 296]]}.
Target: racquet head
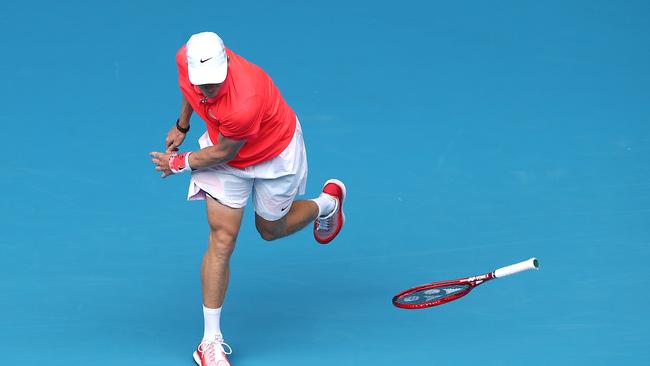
{"points": [[432, 294]]}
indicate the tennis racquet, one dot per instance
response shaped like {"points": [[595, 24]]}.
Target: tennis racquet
{"points": [[438, 293]]}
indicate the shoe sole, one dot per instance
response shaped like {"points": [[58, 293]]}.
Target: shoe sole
{"points": [[196, 357], [338, 182]]}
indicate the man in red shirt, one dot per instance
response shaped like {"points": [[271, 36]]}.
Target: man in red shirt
{"points": [[253, 144]]}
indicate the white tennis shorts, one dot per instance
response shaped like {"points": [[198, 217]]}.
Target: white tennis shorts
{"points": [[275, 182]]}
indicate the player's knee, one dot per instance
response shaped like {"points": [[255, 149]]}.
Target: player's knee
{"points": [[270, 230], [268, 235], [222, 243]]}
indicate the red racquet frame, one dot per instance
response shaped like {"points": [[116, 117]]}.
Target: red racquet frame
{"points": [[470, 282]]}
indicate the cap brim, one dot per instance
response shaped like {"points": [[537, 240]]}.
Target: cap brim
{"points": [[202, 76]]}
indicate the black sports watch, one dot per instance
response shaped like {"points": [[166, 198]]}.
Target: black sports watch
{"points": [[183, 130]]}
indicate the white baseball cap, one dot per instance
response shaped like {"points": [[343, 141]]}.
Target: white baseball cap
{"points": [[207, 62]]}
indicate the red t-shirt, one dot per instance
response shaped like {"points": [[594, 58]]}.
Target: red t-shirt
{"points": [[247, 107]]}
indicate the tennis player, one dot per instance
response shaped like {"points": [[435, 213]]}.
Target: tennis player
{"points": [[253, 145]]}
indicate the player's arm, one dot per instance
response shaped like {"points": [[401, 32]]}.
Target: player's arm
{"points": [[223, 152], [175, 136], [171, 162], [186, 113]]}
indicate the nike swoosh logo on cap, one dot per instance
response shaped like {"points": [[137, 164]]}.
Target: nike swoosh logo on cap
{"points": [[207, 59]]}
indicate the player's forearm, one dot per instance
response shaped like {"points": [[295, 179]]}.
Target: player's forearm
{"points": [[210, 156], [186, 113]]}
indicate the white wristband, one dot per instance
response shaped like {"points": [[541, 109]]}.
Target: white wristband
{"points": [[179, 163]]}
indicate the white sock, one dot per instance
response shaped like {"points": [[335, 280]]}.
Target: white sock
{"points": [[325, 203], [211, 323]]}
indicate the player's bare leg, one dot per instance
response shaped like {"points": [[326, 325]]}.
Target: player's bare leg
{"points": [[326, 211], [215, 271], [301, 214], [224, 225]]}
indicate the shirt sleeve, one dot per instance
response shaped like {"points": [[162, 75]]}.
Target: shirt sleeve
{"points": [[244, 122], [181, 64]]}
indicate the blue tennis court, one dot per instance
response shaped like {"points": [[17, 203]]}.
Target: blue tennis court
{"points": [[470, 136]]}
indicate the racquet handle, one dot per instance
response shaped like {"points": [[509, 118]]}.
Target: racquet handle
{"points": [[532, 263]]}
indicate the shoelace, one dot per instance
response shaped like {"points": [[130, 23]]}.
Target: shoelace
{"points": [[209, 352], [324, 223]]}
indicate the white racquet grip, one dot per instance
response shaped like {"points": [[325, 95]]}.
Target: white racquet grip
{"points": [[532, 263]]}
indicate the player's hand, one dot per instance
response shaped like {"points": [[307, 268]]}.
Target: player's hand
{"points": [[174, 139], [161, 161]]}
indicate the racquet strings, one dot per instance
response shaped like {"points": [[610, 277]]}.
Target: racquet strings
{"points": [[427, 295]]}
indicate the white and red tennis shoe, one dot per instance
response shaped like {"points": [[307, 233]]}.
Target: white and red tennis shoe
{"points": [[212, 352], [326, 228]]}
